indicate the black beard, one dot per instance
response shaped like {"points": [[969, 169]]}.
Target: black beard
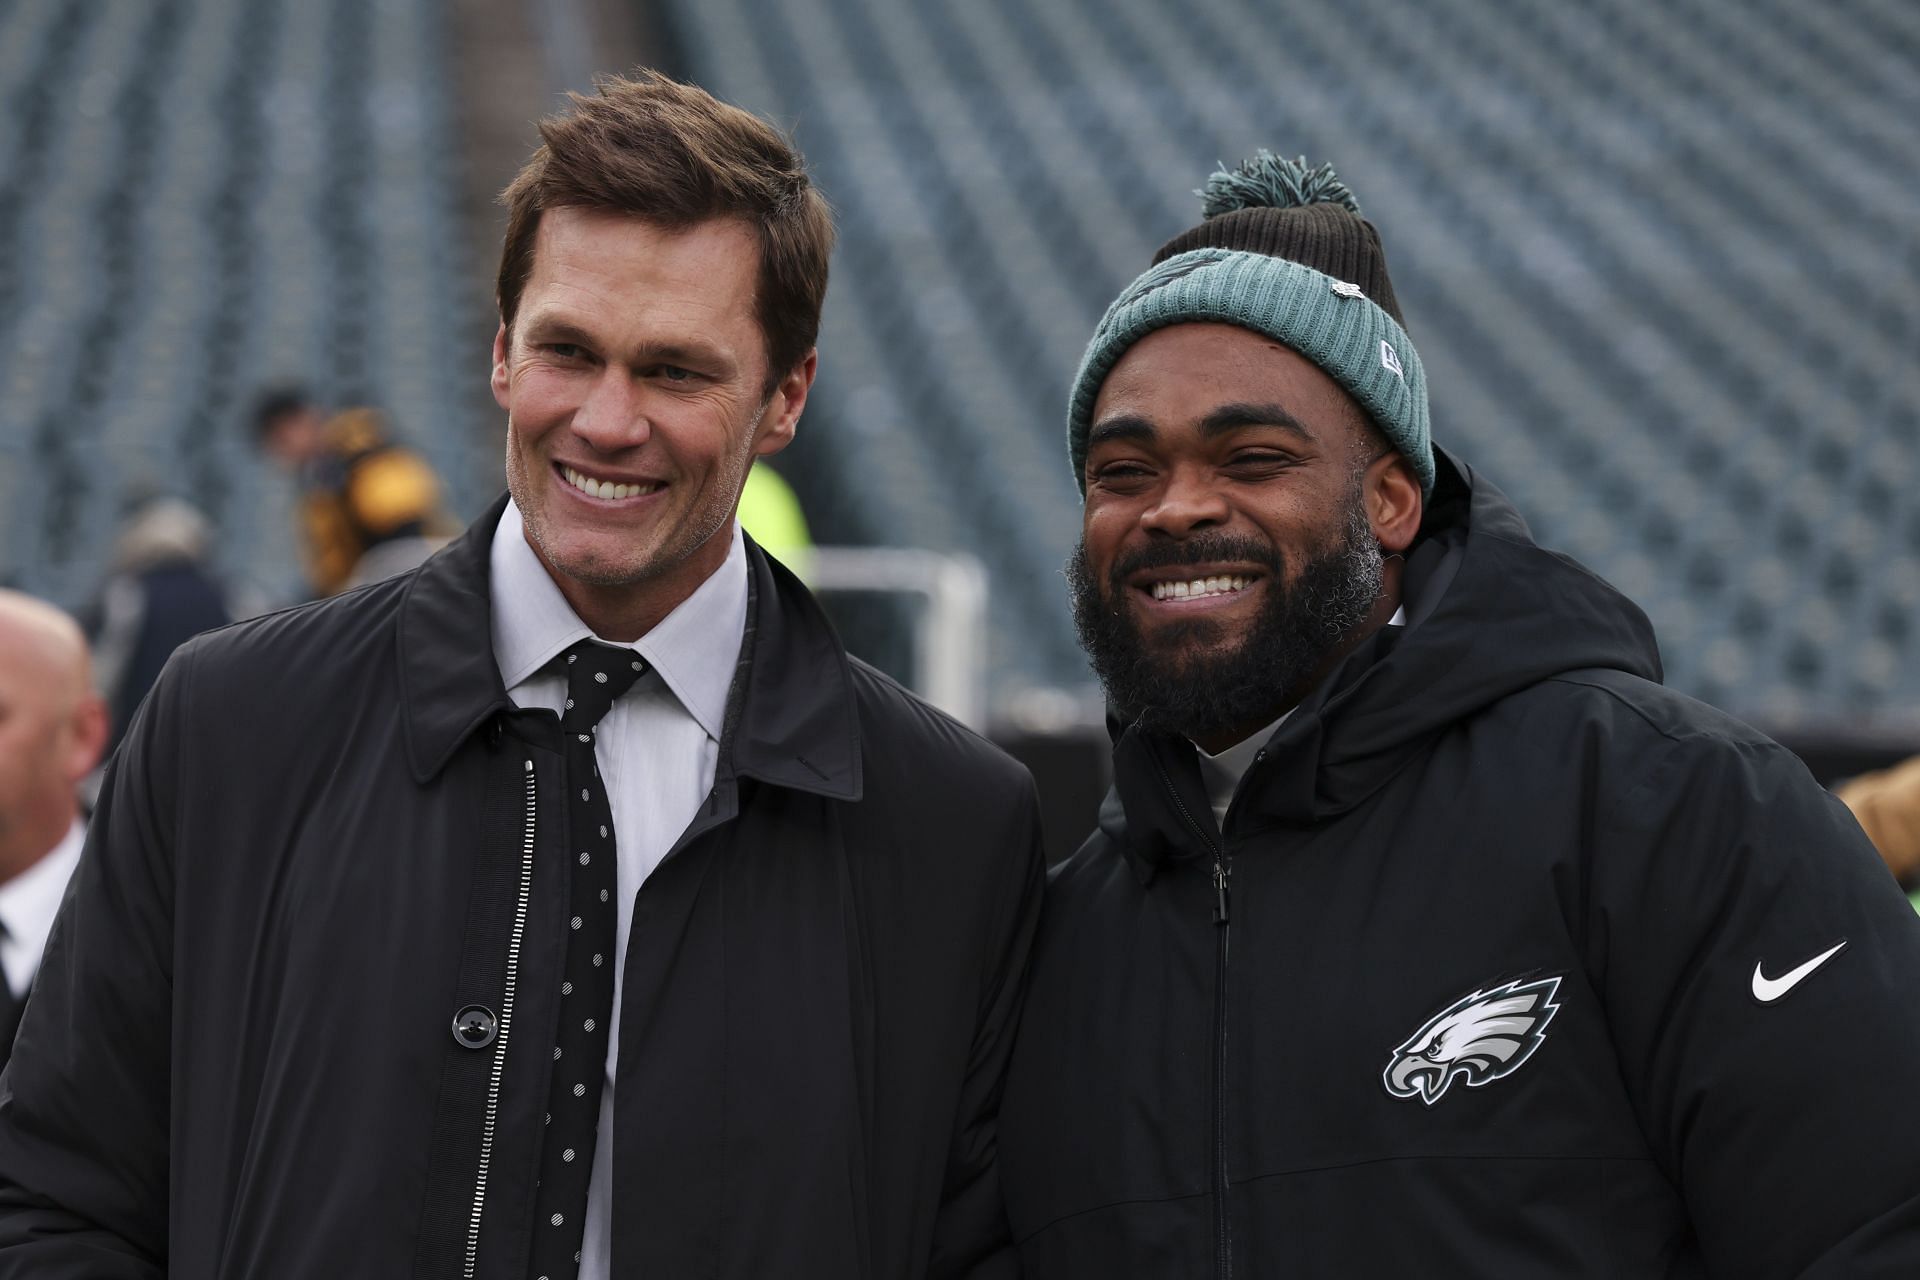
{"points": [[1190, 680]]}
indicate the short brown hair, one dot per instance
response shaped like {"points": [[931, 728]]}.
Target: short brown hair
{"points": [[676, 156]]}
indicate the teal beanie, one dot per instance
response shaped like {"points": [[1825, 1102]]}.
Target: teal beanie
{"points": [[1261, 261]]}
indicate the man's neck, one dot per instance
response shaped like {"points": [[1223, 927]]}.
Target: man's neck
{"points": [[624, 612], [22, 845]]}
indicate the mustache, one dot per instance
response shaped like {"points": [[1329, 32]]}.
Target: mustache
{"points": [[1206, 548]]}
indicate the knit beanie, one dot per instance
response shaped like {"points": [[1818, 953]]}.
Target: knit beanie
{"points": [[1284, 252]]}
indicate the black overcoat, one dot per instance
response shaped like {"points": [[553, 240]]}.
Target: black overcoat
{"points": [[316, 848]]}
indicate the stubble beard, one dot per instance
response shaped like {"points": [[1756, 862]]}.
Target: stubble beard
{"points": [[689, 533], [1190, 678]]}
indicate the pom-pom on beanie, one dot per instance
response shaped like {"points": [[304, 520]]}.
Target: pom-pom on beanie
{"points": [[1284, 252]]}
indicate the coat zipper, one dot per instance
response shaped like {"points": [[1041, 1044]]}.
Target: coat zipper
{"points": [[506, 1025], [1223, 1235], [1222, 875]]}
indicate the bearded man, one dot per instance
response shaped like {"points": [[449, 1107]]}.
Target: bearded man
{"points": [[1424, 932]]}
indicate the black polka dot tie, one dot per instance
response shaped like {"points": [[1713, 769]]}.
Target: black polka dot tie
{"points": [[596, 675]]}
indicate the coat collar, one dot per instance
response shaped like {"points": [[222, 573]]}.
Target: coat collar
{"points": [[791, 716]]}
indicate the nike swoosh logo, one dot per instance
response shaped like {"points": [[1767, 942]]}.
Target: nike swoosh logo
{"points": [[1766, 990]]}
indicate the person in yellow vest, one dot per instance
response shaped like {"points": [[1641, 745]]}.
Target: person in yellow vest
{"points": [[770, 513], [368, 508]]}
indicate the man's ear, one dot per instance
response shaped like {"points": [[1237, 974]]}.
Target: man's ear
{"points": [[88, 737], [501, 383], [1394, 504], [785, 405]]}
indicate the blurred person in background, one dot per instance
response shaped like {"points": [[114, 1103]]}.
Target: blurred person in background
{"points": [[770, 513], [162, 591], [1424, 932], [1887, 804], [574, 904], [53, 727], [369, 508]]}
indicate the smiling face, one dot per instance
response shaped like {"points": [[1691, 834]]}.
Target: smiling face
{"points": [[637, 395], [1238, 511]]}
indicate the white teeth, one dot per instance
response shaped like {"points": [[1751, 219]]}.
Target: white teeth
{"points": [[603, 488], [1220, 585]]}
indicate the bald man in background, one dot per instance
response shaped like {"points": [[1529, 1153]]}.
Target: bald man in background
{"points": [[52, 728]]}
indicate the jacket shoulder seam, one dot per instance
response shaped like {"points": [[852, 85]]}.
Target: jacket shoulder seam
{"points": [[1753, 742], [887, 686]]}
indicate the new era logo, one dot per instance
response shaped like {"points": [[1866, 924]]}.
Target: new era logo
{"points": [[1390, 359]]}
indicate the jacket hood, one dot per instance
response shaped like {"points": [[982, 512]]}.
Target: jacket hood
{"points": [[1489, 613], [791, 714]]}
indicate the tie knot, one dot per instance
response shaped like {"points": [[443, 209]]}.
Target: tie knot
{"points": [[596, 675]]}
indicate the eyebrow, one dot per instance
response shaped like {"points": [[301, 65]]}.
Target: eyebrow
{"points": [[1228, 417], [1125, 427], [558, 329], [1231, 417]]}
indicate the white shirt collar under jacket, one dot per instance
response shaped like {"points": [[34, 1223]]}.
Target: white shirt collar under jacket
{"points": [[532, 622], [28, 904]]}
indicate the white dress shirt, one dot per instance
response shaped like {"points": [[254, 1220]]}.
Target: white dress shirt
{"points": [[28, 904], [656, 749]]}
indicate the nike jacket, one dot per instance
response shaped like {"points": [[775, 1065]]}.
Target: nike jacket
{"points": [[1507, 962]]}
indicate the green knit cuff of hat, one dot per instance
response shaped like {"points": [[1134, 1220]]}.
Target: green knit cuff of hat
{"points": [[1330, 322]]}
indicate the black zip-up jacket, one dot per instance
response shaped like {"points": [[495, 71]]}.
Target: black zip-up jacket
{"points": [[313, 851], [1507, 963]]}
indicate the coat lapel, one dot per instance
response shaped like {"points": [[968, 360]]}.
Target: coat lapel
{"points": [[449, 680]]}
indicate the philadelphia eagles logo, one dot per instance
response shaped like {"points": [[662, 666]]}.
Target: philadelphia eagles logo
{"points": [[1478, 1039]]}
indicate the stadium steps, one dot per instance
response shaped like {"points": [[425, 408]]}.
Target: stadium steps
{"points": [[201, 196], [1662, 266]]}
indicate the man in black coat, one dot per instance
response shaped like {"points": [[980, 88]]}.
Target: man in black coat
{"points": [[572, 904], [52, 728], [1425, 933]]}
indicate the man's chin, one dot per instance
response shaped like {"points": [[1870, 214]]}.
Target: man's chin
{"points": [[1192, 675], [581, 560], [600, 577], [1188, 642]]}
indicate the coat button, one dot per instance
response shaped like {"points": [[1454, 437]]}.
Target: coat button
{"points": [[475, 1027]]}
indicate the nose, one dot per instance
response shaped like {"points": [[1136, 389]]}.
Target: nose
{"points": [[613, 414], [1189, 502]]}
